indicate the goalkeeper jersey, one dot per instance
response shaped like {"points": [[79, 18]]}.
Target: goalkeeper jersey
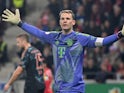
{"points": [[68, 52]]}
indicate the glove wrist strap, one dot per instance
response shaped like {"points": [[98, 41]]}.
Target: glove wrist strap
{"points": [[120, 35], [20, 24]]}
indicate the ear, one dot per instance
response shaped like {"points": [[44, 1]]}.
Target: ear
{"points": [[73, 22]]}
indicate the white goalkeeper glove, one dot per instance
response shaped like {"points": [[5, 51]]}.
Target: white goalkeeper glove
{"points": [[122, 31], [8, 16]]}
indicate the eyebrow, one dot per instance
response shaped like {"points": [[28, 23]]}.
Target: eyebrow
{"points": [[65, 18]]}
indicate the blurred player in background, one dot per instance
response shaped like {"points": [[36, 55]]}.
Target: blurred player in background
{"points": [[31, 61]]}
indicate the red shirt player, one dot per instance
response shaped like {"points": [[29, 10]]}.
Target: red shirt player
{"points": [[48, 78]]}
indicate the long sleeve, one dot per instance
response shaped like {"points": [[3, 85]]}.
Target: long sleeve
{"points": [[36, 32], [110, 39]]}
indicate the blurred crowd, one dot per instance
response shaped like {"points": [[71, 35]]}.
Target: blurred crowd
{"points": [[95, 17], [12, 5]]}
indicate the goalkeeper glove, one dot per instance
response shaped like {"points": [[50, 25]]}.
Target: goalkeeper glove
{"points": [[8, 16], [122, 31]]}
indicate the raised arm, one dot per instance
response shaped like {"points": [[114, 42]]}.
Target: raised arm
{"points": [[91, 41], [10, 17], [110, 39]]}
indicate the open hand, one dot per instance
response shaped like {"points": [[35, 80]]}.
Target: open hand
{"points": [[8, 16], [122, 30]]}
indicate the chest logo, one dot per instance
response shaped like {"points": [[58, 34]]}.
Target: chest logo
{"points": [[61, 51]]}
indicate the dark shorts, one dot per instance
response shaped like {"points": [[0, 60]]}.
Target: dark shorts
{"points": [[34, 87], [33, 90]]}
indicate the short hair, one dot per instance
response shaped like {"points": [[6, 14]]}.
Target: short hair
{"points": [[67, 11], [24, 37]]}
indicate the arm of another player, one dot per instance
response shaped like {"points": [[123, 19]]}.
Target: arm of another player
{"points": [[14, 76]]}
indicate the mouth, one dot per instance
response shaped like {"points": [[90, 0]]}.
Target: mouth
{"points": [[64, 25]]}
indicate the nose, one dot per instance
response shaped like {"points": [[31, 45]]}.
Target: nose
{"points": [[64, 20]]}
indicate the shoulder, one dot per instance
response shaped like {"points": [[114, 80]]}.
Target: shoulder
{"points": [[85, 36], [82, 34], [33, 50]]}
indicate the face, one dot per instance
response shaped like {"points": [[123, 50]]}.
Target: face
{"points": [[66, 22], [19, 42]]}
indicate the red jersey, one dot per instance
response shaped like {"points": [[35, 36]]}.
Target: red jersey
{"points": [[48, 80]]}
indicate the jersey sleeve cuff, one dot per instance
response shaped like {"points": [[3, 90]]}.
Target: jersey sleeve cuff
{"points": [[20, 24], [119, 35]]}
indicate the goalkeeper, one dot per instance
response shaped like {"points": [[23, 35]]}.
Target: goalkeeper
{"points": [[68, 48]]}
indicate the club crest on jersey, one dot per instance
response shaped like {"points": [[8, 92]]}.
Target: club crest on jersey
{"points": [[69, 42]]}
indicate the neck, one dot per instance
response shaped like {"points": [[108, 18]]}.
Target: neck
{"points": [[27, 46], [67, 31]]}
